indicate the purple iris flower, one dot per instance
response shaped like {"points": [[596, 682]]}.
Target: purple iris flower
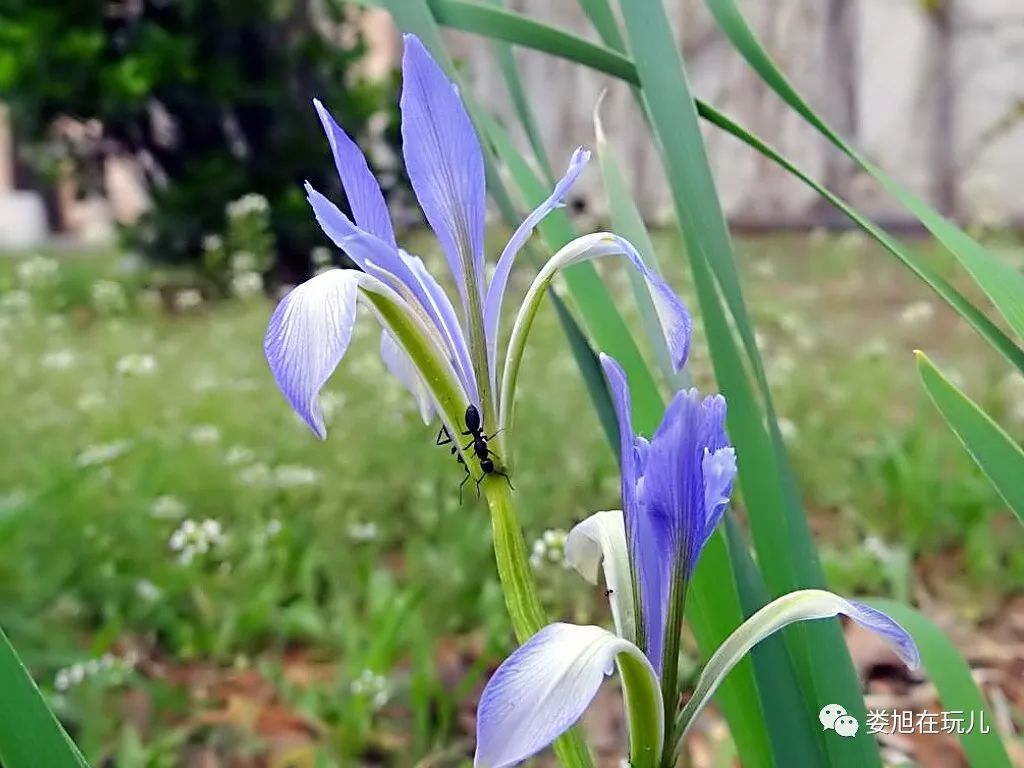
{"points": [[439, 352], [675, 488]]}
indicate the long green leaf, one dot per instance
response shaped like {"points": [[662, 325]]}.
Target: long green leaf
{"points": [[785, 551], [950, 674], [998, 455], [30, 735], [1003, 285]]}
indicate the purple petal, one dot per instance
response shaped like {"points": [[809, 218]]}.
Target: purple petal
{"points": [[897, 637], [402, 368], [361, 188], [541, 690], [719, 469], [499, 281], [307, 336], [444, 161]]}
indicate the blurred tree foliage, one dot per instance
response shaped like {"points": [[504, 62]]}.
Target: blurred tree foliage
{"points": [[213, 97]]}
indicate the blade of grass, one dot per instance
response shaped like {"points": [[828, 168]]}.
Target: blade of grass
{"points": [[998, 455], [952, 677], [30, 735], [1003, 285], [785, 551]]}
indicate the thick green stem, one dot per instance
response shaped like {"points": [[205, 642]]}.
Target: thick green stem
{"points": [[670, 654], [521, 598]]}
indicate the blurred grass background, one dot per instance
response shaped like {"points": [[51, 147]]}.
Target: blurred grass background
{"points": [[177, 548]]}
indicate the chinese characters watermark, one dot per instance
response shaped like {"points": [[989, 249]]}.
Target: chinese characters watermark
{"points": [[893, 721]]}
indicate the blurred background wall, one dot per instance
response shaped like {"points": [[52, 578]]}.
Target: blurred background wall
{"points": [[932, 90]]}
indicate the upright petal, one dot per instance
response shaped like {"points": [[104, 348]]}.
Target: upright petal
{"points": [[499, 281], [361, 188], [444, 162], [308, 335], [545, 686], [719, 469], [402, 368], [601, 540]]}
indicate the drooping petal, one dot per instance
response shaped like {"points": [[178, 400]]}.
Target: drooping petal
{"points": [[364, 196], [444, 162], [545, 686], [499, 281], [802, 605], [308, 335], [601, 540], [719, 470], [402, 368]]}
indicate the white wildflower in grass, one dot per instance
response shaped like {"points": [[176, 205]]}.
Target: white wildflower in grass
{"points": [[59, 359], [91, 401], [293, 476], [239, 454], [247, 205], [243, 261], [102, 453], [363, 532], [257, 475], [320, 256], [196, 538], [147, 591], [108, 297], [274, 528], [549, 549], [187, 298], [136, 365], [37, 271], [371, 686], [15, 302], [167, 507], [917, 313], [107, 667], [212, 242], [204, 434], [245, 285], [788, 429]]}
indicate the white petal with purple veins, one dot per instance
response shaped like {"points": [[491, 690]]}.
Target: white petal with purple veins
{"points": [[546, 685], [598, 541]]}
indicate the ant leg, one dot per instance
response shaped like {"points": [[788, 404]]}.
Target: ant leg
{"points": [[462, 484], [507, 479], [495, 434], [443, 432], [482, 476]]}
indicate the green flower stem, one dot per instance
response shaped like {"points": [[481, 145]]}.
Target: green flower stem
{"points": [[521, 598]]}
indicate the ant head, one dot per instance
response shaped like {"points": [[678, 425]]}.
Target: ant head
{"points": [[472, 418]]}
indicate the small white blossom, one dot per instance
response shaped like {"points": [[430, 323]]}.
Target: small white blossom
{"points": [[549, 548], [320, 256], [257, 475], [239, 454], [247, 284], [204, 434], [102, 453], [59, 359], [243, 261], [148, 591], [167, 507], [136, 365], [293, 476], [372, 686], [113, 669], [37, 270], [363, 531], [212, 242], [15, 302], [108, 296], [187, 298], [917, 313], [247, 204], [192, 539]]}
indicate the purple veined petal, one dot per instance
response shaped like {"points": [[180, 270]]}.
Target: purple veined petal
{"points": [[444, 162], [402, 368], [719, 469], [499, 281], [599, 543], [648, 541], [543, 688], [881, 624], [361, 188], [448, 324], [307, 336]]}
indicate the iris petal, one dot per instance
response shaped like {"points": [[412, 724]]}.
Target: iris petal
{"points": [[499, 281], [308, 335], [598, 541], [542, 689], [444, 162], [401, 367], [361, 188]]}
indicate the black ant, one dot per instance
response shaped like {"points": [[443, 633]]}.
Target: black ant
{"points": [[474, 429]]}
